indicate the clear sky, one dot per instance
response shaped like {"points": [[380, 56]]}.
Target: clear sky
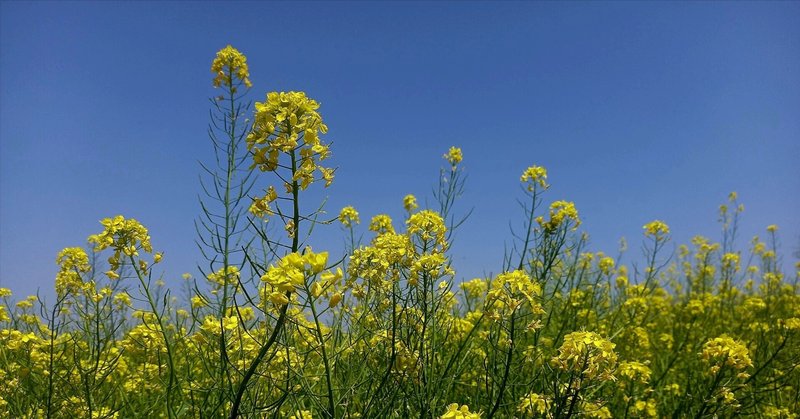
{"points": [[639, 111]]}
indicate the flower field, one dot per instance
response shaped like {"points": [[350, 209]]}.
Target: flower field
{"points": [[276, 328]]}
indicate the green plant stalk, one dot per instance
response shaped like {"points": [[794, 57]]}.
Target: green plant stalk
{"points": [[282, 318], [167, 343]]}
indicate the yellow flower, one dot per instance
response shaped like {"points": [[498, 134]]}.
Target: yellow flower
{"points": [[228, 65], [456, 412], [223, 277], [316, 261], [428, 225], [533, 404], [348, 216], [123, 299], [381, 224], [587, 353], [454, 156], [533, 176], [72, 261], [657, 229], [724, 350], [636, 371], [288, 123], [302, 414], [561, 213], [410, 203]]}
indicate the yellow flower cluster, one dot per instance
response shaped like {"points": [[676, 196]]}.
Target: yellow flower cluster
{"points": [[348, 216], [410, 203], [456, 412], [228, 65], [287, 122], [381, 224], [533, 404], [124, 236], [657, 229], [220, 278], [72, 262], [454, 156], [512, 284], [534, 176], [587, 353], [726, 351], [302, 414], [561, 213], [261, 206], [387, 253], [635, 371], [428, 225], [291, 272]]}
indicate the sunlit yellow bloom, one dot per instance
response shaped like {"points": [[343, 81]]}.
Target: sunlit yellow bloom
{"points": [[381, 223], [534, 176], [410, 203], [533, 404], [288, 123], [635, 371], [348, 216], [724, 350], [302, 414], [428, 225], [561, 213], [229, 64], [223, 277], [123, 299], [656, 229], [454, 156], [73, 262], [587, 353], [456, 412]]}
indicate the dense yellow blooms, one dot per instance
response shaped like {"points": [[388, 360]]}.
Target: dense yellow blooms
{"points": [[288, 123], [587, 353], [561, 213], [124, 236], [657, 229], [533, 404], [456, 412], [410, 203], [229, 65], [534, 176], [429, 226], [454, 156], [386, 329], [726, 351], [348, 216], [381, 224], [291, 272], [73, 263], [635, 371]]}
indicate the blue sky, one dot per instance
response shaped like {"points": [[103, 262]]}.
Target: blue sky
{"points": [[639, 111]]}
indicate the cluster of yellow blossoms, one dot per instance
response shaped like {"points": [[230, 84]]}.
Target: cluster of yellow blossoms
{"points": [[587, 353], [229, 64], [125, 237], [534, 176], [290, 274], [462, 412], [726, 351], [561, 213]]}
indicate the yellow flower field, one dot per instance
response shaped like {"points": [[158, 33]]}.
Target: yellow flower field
{"points": [[275, 328]]}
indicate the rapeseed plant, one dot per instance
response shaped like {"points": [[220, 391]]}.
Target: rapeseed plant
{"points": [[274, 328]]}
